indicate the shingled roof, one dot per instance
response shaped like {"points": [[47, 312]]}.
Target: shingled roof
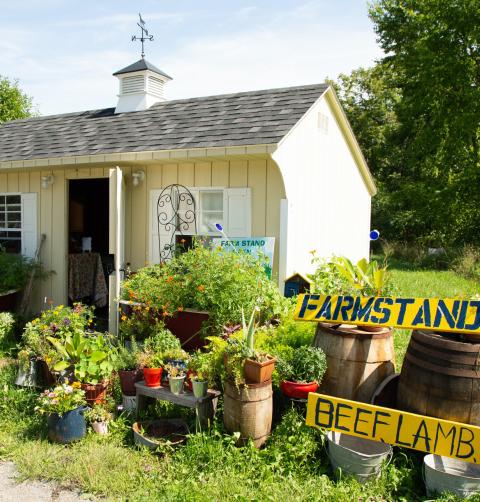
{"points": [[246, 118]]}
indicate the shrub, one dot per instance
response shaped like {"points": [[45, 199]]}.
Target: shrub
{"points": [[7, 325], [467, 262], [305, 364], [15, 270], [211, 280]]}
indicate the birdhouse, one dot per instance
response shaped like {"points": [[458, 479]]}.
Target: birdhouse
{"points": [[296, 285]]}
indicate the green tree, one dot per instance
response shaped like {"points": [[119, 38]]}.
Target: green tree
{"points": [[14, 103], [433, 49]]}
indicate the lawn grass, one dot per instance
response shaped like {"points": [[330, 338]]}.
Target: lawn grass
{"points": [[412, 282], [209, 467]]}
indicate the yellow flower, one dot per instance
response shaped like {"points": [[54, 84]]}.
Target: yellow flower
{"points": [[123, 318], [76, 385], [201, 288]]}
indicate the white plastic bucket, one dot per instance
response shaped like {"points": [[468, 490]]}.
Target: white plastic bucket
{"points": [[129, 402], [359, 457], [444, 474]]}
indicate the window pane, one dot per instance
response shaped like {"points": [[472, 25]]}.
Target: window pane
{"points": [[208, 221], [13, 199], [211, 201]]}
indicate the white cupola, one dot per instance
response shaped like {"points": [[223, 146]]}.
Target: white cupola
{"points": [[140, 86]]}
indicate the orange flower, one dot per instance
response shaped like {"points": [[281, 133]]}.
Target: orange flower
{"points": [[131, 294], [170, 278], [183, 241], [123, 318], [201, 288], [180, 309]]}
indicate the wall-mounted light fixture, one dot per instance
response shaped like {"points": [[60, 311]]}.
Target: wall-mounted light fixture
{"points": [[48, 180], [138, 177]]}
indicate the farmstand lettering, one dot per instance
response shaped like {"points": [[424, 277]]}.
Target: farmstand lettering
{"points": [[400, 428], [452, 315]]}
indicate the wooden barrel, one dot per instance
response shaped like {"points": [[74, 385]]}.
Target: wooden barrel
{"points": [[440, 377], [357, 360], [248, 410]]}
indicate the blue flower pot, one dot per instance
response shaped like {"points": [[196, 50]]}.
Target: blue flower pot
{"points": [[67, 428]]}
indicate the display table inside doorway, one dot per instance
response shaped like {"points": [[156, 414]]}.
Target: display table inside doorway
{"points": [[204, 406], [86, 278]]}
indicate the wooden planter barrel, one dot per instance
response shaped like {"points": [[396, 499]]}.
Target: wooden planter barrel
{"points": [[248, 409], [441, 378], [357, 360]]}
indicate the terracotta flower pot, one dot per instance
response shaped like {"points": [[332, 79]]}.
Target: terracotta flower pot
{"points": [[256, 372], [152, 376], [297, 390], [95, 393], [128, 379]]}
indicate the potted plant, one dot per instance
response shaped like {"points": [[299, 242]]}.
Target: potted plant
{"points": [[15, 270], [210, 284], [65, 407], [176, 378], [99, 417], [202, 367], [93, 360], [258, 366], [302, 371], [151, 362], [127, 364]]}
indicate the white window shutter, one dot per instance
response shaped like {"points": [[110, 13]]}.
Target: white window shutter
{"points": [[237, 209], [29, 224]]}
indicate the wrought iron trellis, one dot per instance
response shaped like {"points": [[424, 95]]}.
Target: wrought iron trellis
{"points": [[172, 220]]}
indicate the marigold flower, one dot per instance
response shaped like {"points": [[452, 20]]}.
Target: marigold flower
{"points": [[123, 318], [201, 288], [170, 278], [180, 309]]}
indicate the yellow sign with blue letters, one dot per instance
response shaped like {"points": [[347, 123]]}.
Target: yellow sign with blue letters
{"points": [[400, 428], [451, 315]]}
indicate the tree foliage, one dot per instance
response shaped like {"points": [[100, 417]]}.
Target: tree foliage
{"points": [[14, 103], [417, 117]]}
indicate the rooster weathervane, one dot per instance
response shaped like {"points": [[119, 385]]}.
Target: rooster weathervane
{"points": [[145, 34]]}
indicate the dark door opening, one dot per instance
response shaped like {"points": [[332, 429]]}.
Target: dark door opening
{"points": [[89, 261]]}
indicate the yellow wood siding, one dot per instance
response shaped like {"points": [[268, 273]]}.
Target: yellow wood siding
{"points": [[262, 176]]}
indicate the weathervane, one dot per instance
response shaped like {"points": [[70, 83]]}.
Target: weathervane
{"points": [[145, 35]]}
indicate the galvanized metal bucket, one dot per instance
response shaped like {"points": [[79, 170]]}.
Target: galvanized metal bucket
{"points": [[359, 457], [444, 474]]}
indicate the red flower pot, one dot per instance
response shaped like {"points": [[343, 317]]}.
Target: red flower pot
{"points": [[152, 376], [297, 390]]}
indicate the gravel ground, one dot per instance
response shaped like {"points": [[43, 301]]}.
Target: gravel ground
{"points": [[32, 491]]}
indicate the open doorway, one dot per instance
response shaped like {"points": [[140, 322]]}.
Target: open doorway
{"points": [[89, 261]]}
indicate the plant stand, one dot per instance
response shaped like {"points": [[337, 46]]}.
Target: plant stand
{"points": [[205, 407]]}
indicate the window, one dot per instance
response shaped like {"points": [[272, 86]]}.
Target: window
{"points": [[231, 207], [18, 223]]}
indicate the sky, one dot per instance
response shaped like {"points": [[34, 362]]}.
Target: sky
{"points": [[63, 52]]}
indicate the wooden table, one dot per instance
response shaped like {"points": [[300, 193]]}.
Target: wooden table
{"points": [[204, 406]]}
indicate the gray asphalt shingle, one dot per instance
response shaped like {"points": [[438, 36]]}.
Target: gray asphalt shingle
{"points": [[247, 118]]}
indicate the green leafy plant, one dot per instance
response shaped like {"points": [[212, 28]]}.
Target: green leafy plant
{"points": [[93, 358], [203, 366], [150, 359], [61, 399], [305, 364], [127, 358], [211, 280], [339, 276], [7, 325], [99, 413], [15, 270], [56, 323], [162, 340]]}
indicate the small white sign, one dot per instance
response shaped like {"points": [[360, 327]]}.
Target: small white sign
{"points": [[255, 246]]}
